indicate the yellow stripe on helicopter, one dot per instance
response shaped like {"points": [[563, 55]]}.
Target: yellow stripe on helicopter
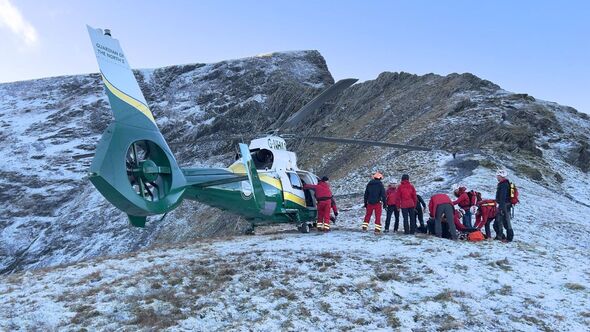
{"points": [[239, 168], [128, 99], [294, 198]]}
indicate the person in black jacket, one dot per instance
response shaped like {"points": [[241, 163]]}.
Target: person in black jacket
{"points": [[420, 206], [504, 205], [374, 201]]}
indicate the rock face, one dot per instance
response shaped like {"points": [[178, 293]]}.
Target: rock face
{"points": [[52, 215]]}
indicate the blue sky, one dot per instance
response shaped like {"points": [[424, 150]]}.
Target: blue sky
{"points": [[536, 47]]}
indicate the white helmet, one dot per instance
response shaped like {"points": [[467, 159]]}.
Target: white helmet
{"points": [[456, 186], [502, 172]]}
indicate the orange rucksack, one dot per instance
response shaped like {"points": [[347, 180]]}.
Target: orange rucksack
{"points": [[475, 236]]}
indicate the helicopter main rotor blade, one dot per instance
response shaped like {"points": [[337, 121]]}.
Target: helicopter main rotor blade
{"points": [[363, 142], [316, 102]]}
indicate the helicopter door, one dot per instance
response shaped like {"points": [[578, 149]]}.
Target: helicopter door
{"points": [[292, 189], [307, 179]]}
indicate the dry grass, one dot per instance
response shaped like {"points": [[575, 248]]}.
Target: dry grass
{"points": [[448, 296], [574, 286], [387, 276], [392, 320], [536, 322], [505, 290], [92, 277], [284, 294], [503, 264], [264, 283], [83, 314]]}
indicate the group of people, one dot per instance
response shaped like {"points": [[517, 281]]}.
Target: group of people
{"points": [[448, 218]]}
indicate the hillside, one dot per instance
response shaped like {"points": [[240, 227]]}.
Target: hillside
{"points": [[70, 260], [345, 280]]}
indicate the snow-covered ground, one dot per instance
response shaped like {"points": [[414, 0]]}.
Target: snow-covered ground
{"points": [[344, 280]]}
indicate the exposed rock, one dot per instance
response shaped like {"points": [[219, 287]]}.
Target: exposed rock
{"points": [[52, 215]]}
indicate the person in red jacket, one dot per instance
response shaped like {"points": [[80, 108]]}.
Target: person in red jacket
{"points": [[406, 201], [464, 203], [391, 198], [441, 205], [323, 195], [486, 214], [374, 200]]}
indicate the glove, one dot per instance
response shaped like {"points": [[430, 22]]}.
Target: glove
{"points": [[336, 214]]}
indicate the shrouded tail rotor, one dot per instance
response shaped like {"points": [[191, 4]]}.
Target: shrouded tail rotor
{"points": [[148, 170], [135, 170]]}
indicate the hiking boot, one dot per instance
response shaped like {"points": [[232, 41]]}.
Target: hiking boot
{"points": [[386, 231]]}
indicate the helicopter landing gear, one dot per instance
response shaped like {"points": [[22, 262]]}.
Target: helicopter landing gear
{"points": [[303, 228], [250, 231]]}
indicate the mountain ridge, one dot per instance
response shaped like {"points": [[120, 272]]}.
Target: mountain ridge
{"points": [[57, 217]]}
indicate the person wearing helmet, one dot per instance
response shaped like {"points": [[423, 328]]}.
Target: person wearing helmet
{"points": [[406, 201], [374, 201], [504, 205]]}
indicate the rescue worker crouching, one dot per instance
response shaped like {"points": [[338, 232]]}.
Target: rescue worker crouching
{"points": [[441, 205], [374, 201], [486, 214], [323, 196], [464, 203]]}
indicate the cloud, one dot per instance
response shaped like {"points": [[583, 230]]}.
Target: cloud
{"points": [[11, 18]]}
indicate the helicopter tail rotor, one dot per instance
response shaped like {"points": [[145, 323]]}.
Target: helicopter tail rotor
{"points": [[133, 167]]}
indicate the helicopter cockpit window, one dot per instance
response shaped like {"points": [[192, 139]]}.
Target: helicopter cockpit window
{"points": [[262, 158], [295, 180]]}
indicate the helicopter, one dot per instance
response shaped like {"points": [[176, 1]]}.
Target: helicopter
{"points": [[135, 170]]}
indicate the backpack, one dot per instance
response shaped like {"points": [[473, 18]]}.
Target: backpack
{"points": [[474, 197], [513, 194], [475, 236]]}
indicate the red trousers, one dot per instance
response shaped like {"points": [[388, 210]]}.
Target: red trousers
{"points": [[324, 212], [373, 207]]}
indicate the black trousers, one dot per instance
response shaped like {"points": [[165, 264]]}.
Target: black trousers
{"points": [[409, 220], [392, 209], [503, 221], [420, 215], [488, 231]]}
